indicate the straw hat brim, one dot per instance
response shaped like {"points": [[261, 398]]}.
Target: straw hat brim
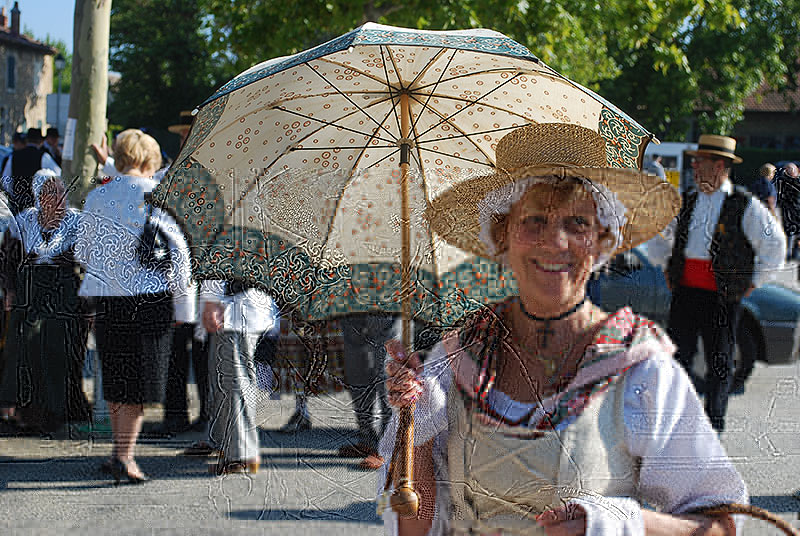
{"points": [[650, 202], [178, 129], [736, 159]]}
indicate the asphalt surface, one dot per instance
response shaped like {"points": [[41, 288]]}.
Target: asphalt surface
{"points": [[53, 486]]}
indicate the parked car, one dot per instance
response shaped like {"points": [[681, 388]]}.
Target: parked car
{"points": [[768, 330]]}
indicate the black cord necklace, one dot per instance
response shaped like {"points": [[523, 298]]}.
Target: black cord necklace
{"points": [[546, 329]]}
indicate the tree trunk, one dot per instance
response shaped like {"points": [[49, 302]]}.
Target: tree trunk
{"points": [[88, 95]]}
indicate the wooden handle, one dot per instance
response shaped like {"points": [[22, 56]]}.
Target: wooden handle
{"points": [[750, 510], [404, 500]]}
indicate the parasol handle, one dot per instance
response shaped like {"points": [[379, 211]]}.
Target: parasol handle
{"points": [[404, 499]]}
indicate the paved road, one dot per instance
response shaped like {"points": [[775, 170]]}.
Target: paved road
{"points": [[52, 486]]}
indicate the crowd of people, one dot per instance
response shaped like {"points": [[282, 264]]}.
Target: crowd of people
{"points": [[588, 406], [65, 272]]}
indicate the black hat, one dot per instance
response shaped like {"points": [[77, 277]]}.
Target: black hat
{"points": [[52, 131], [34, 135], [19, 136]]}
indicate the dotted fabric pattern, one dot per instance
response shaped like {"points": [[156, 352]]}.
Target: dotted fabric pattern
{"points": [[290, 177]]}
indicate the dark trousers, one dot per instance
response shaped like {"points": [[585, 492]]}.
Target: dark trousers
{"points": [[701, 312], [364, 357], [184, 350]]}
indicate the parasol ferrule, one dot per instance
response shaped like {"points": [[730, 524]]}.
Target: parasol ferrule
{"points": [[405, 144]]}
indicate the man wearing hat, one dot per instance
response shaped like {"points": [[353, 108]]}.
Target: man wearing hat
{"points": [[51, 144], [20, 168], [723, 244], [183, 126]]}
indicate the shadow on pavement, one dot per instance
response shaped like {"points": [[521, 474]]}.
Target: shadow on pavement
{"points": [[779, 504], [357, 512]]}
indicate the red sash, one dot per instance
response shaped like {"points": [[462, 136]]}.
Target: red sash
{"points": [[697, 273]]}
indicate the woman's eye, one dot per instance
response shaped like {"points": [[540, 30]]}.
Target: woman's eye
{"points": [[580, 223], [533, 220]]}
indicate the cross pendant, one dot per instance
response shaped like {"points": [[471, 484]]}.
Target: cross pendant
{"points": [[544, 332]]}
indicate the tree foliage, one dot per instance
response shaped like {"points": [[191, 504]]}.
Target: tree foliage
{"points": [[662, 61], [161, 50]]}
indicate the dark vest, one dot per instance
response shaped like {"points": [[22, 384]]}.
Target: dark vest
{"points": [[732, 255], [24, 165]]}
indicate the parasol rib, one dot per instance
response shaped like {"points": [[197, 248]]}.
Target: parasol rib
{"points": [[430, 64], [397, 72], [449, 155], [470, 104], [330, 124], [340, 92], [515, 71], [486, 104], [430, 95], [366, 74], [391, 93], [465, 135], [454, 127]]}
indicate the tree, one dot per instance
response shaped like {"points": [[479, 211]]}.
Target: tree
{"points": [[160, 49], [659, 60], [87, 103]]}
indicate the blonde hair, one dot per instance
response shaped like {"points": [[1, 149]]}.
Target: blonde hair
{"points": [[133, 149], [767, 171]]}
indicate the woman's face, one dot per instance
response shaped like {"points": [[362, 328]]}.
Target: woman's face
{"points": [[553, 242]]}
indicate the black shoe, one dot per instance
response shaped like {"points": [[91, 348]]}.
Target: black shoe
{"points": [[119, 469]]}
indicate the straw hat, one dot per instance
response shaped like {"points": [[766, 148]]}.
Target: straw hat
{"points": [[561, 150], [717, 146], [184, 124]]}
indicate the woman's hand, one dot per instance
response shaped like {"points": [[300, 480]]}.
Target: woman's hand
{"points": [[569, 520], [213, 317], [403, 383]]}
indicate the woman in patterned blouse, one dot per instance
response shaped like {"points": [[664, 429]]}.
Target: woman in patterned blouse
{"points": [[545, 414]]}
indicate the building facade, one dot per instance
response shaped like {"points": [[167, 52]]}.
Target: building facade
{"points": [[26, 78]]}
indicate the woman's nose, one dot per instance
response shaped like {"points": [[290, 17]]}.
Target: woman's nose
{"points": [[556, 237]]}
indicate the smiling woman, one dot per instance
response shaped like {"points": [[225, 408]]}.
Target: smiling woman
{"points": [[545, 414]]}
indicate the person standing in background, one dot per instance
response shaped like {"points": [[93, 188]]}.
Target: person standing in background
{"points": [[763, 188], [21, 166], [655, 167], [137, 302], [787, 183], [722, 245], [51, 144], [234, 316]]}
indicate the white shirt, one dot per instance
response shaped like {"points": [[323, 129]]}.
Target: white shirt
{"points": [[666, 428], [252, 311], [758, 224], [111, 224], [47, 162]]}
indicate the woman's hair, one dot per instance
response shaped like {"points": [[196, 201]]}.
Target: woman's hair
{"points": [[563, 191], [767, 171], [135, 149]]}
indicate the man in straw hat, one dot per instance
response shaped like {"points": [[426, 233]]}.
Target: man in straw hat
{"points": [[722, 245], [182, 127], [544, 410]]}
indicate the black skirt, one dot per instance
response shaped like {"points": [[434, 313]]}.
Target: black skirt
{"points": [[134, 342]]}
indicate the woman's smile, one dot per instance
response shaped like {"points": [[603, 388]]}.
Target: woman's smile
{"points": [[551, 267]]}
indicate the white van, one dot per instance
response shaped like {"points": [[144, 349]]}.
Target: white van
{"points": [[676, 164]]}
